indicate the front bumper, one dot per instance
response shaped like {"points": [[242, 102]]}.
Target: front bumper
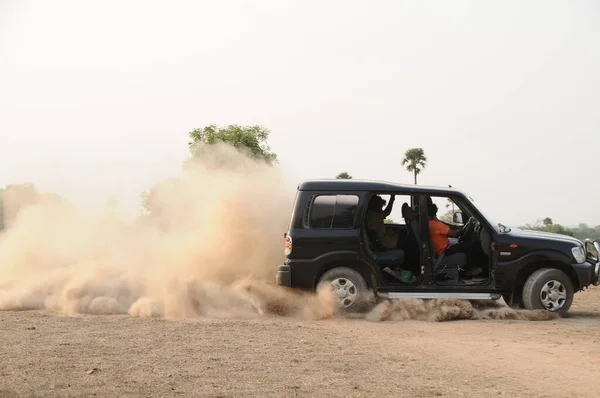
{"points": [[592, 254], [587, 274], [596, 275], [284, 276]]}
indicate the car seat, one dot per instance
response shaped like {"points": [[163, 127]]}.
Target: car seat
{"points": [[413, 247], [447, 265], [411, 218], [392, 258], [456, 260]]}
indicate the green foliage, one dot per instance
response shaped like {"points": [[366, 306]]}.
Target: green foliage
{"points": [[152, 200], [546, 225], [414, 161], [582, 232], [557, 229], [252, 139], [343, 176], [389, 221]]}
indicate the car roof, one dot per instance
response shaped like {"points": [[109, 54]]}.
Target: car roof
{"points": [[370, 185]]}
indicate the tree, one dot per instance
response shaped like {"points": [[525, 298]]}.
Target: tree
{"points": [[543, 226], [343, 176], [153, 200], [557, 229], [14, 198], [415, 161], [252, 139], [448, 217]]}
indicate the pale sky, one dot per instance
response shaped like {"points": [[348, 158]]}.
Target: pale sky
{"points": [[97, 98]]}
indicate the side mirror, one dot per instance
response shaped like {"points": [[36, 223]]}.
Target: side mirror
{"points": [[458, 218]]}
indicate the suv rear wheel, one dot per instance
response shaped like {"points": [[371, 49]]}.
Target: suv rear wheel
{"points": [[549, 289], [349, 287]]}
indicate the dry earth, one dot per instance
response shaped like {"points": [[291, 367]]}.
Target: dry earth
{"points": [[46, 355]]}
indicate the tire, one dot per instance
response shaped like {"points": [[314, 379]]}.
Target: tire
{"points": [[517, 300], [354, 293], [549, 289]]}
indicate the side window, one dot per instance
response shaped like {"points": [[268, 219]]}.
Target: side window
{"points": [[446, 207], [345, 211], [321, 212], [395, 216], [331, 211]]}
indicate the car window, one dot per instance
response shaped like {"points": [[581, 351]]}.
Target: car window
{"points": [[446, 209], [332, 211], [395, 216]]}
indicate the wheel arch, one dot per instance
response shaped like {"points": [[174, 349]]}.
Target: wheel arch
{"points": [[527, 270]]}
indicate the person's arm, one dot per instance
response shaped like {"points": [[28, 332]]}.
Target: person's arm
{"points": [[388, 209], [451, 226], [453, 233], [446, 230]]}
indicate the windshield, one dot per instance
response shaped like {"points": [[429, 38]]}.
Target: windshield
{"points": [[497, 226]]}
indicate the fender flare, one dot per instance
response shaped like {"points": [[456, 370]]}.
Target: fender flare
{"points": [[526, 264]]}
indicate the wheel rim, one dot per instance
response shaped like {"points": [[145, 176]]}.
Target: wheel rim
{"points": [[553, 295], [345, 290]]}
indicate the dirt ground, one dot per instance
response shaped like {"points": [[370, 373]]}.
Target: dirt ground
{"points": [[46, 355]]}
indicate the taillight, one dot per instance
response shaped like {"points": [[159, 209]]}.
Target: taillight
{"points": [[288, 245]]}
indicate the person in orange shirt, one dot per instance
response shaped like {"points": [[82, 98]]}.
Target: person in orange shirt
{"points": [[439, 233]]}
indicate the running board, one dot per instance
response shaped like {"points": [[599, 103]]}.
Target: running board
{"points": [[431, 295]]}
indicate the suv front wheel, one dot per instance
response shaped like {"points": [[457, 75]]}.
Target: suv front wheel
{"points": [[348, 286], [549, 289]]}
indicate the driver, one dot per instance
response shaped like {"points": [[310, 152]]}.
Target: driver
{"points": [[440, 232]]}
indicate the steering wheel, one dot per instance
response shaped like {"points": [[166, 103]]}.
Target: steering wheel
{"points": [[467, 229]]}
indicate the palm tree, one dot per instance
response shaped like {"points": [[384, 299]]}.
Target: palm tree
{"points": [[415, 161]]}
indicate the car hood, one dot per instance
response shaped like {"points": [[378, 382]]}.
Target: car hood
{"points": [[528, 234]]}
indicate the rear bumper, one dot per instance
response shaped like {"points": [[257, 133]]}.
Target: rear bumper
{"points": [[284, 276]]}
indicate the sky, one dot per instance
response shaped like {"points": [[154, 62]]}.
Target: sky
{"points": [[97, 98]]}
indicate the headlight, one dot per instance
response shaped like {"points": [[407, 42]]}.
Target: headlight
{"points": [[579, 254]]}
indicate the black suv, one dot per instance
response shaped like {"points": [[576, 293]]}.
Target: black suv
{"points": [[328, 242]]}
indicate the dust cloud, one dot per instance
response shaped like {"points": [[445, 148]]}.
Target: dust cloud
{"points": [[440, 310], [210, 248]]}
